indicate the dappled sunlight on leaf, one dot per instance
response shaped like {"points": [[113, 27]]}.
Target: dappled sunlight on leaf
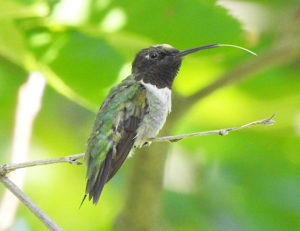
{"points": [[114, 20], [71, 12]]}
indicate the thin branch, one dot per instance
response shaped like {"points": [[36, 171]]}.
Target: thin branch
{"points": [[221, 132], [30, 204], [6, 168]]}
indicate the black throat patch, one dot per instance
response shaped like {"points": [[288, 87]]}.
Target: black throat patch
{"points": [[159, 77]]}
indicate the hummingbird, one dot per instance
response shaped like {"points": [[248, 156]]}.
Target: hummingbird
{"points": [[133, 112]]}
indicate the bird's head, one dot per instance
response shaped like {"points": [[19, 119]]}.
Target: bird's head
{"points": [[156, 57], [159, 64]]}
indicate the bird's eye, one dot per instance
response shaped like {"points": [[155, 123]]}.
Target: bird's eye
{"points": [[153, 55]]}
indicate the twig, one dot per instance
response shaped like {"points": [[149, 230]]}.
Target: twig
{"points": [[6, 168], [30, 204], [221, 132]]}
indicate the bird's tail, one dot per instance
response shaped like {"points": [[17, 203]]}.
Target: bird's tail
{"points": [[82, 201], [96, 183]]}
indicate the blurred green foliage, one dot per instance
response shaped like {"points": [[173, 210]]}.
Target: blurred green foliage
{"points": [[249, 180]]}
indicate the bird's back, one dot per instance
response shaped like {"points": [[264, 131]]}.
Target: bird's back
{"points": [[114, 133]]}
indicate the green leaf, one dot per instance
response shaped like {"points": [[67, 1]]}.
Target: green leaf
{"points": [[11, 41], [183, 24], [88, 65], [77, 65]]}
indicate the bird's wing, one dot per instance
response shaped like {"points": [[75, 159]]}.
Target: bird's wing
{"points": [[113, 134]]}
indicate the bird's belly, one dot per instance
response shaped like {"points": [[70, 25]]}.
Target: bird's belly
{"points": [[159, 105]]}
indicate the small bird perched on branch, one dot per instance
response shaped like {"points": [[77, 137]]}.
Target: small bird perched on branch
{"points": [[133, 112]]}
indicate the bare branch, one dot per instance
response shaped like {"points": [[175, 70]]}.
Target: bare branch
{"points": [[221, 132], [6, 168], [30, 204]]}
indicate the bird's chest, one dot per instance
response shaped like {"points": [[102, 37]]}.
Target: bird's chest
{"points": [[159, 105]]}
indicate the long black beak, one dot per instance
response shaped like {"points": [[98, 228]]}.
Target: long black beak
{"points": [[192, 50]]}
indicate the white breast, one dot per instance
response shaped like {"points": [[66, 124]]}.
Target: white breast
{"points": [[159, 100], [163, 94]]}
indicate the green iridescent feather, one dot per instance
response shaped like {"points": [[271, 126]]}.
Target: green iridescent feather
{"points": [[126, 100]]}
